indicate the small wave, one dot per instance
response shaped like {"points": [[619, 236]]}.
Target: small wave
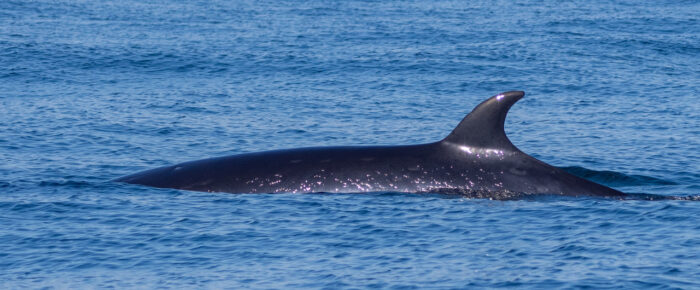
{"points": [[512, 195], [480, 194], [647, 196], [67, 183], [612, 178], [74, 184], [686, 197], [292, 131]]}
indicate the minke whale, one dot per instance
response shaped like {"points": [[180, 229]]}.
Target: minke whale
{"points": [[476, 160]]}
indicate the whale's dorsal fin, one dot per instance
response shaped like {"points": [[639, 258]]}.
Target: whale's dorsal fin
{"points": [[483, 127]]}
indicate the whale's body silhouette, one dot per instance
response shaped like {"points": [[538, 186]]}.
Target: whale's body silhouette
{"points": [[476, 159]]}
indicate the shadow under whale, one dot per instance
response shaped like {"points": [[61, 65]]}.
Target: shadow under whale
{"points": [[477, 159]]}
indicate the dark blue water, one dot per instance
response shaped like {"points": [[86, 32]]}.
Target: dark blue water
{"points": [[93, 90]]}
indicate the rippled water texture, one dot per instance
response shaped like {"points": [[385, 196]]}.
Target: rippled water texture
{"points": [[93, 90]]}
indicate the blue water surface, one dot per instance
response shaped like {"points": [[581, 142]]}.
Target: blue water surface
{"points": [[93, 90]]}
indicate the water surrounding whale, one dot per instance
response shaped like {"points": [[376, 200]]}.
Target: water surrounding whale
{"points": [[477, 159]]}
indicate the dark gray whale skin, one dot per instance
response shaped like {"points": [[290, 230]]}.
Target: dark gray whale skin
{"points": [[476, 159]]}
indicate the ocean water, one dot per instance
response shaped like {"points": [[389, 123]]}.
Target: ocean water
{"points": [[93, 90]]}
